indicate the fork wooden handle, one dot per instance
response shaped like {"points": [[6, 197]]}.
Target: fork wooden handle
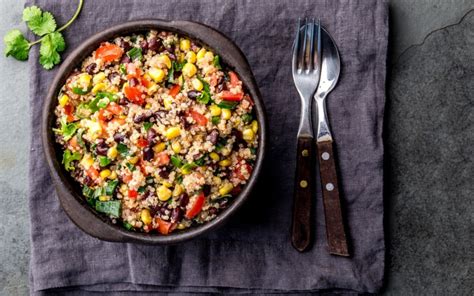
{"points": [[301, 232], [336, 236]]}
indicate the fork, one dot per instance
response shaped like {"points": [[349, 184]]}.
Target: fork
{"points": [[306, 68]]}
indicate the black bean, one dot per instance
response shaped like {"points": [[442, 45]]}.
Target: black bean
{"points": [[238, 138], [164, 172], [139, 118], [153, 44], [91, 68], [151, 135], [122, 101], [193, 94], [221, 84], [102, 147], [112, 76], [119, 137], [87, 180], [172, 56], [206, 189], [144, 46], [147, 153], [125, 59], [212, 211], [176, 215], [183, 200], [125, 45], [213, 136], [147, 194], [223, 203], [133, 82]]}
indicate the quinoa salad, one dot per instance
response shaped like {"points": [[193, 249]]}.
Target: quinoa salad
{"points": [[158, 132]]}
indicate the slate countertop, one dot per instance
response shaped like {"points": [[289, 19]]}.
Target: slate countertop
{"points": [[429, 131]]}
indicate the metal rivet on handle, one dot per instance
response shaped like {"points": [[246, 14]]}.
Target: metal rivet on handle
{"points": [[325, 156], [305, 153], [303, 184], [329, 187]]}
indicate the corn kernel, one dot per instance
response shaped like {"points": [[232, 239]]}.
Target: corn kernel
{"points": [[105, 173], [87, 161], [181, 56], [209, 56], [113, 175], [172, 132], [159, 147], [178, 189], [181, 80], [165, 60], [200, 54], [123, 189], [112, 152], [254, 126], [167, 102], [104, 198], [156, 74], [216, 180], [133, 160], [147, 106], [197, 84], [167, 184], [176, 146], [214, 156], [185, 170], [226, 114], [85, 80], [152, 89], [248, 134], [189, 70], [63, 100], [163, 193], [225, 162], [99, 87], [225, 151], [181, 226], [98, 78], [226, 188], [215, 110], [191, 57], [145, 216], [184, 44]]}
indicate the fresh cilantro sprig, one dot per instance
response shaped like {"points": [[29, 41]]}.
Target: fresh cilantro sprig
{"points": [[42, 24]]}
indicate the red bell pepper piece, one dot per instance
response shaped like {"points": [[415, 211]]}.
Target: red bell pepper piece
{"points": [[228, 96], [109, 52], [198, 117], [174, 91], [196, 207], [132, 193], [134, 95]]}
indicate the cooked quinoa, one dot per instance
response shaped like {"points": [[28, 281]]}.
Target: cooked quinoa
{"points": [[157, 131]]}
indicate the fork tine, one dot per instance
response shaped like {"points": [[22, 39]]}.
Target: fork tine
{"points": [[319, 52], [296, 49], [304, 56], [311, 50]]}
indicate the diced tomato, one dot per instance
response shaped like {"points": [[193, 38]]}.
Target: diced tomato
{"points": [[145, 82], [92, 173], [196, 207], [127, 178], [228, 96], [73, 143], [141, 164], [114, 108], [134, 95], [240, 171], [69, 110], [198, 117], [103, 116], [164, 227], [142, 143], [109, 52], [119, 121], [162, 158], [234, 79], [132, 193], [133, 71], [174, 91]]}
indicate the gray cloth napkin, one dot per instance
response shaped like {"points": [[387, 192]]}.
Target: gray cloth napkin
{"points": [[252, 253]]}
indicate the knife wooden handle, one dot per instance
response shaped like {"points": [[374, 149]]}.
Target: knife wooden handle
{"points": [[301, 230], [336, 236]]}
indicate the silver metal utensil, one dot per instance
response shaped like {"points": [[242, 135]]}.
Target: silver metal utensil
{"points": [[306, 71], [330, 69]]}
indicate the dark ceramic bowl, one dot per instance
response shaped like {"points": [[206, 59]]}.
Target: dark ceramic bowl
{"points": [[69, 191]]}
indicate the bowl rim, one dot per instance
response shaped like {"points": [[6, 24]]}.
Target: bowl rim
{"points": [[87, 219]]}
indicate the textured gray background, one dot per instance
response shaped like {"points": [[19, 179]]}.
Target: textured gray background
{"points": [[429, 161]]}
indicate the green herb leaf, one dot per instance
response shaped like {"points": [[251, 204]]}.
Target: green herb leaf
{"points": [[108, 95], [215, 120], [204, 98], [93, 105], [135, 53], [69, 157], [16, 45], [51, 45], [104, 161], [110, 187], [170, 78], [83, 110], [67, 130], [122, 149], [186, 168], [127, 225], [147, 125], [130, 166], [103, 103], [247, 118], [87, 191], [217, 62], [141, 189], [39, 22], [176, 161], [111, 208], [253, 150], [179, 179], [80, 141], [200, 161], [123, 69], [228, 104], [81, 91]]}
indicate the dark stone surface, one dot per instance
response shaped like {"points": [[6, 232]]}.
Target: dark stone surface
{"points": [[429, 147]]}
